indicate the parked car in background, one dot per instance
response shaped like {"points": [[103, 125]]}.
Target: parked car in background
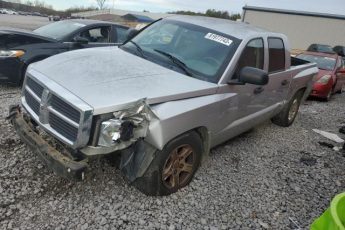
{"points": [[22, 13], [340, 50], [19, 48], [320, 48], [181, 86], [331, 77]]}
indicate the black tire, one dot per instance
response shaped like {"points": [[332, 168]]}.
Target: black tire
{"points": [[285, 118], [153, 183]]}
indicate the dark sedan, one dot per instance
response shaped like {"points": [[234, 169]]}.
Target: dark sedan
{"points": [[19, 48]]}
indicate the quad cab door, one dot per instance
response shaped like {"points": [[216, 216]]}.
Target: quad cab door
{"points": [[243, 109], [254, 104], [279, 75]]}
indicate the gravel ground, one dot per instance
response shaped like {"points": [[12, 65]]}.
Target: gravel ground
{"points": [[268, 178], [22, 22]]}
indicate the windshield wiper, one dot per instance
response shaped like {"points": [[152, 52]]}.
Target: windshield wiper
{"points": [[139, 49], [177, 62]]}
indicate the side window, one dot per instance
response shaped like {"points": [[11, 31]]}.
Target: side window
{"points": [[252, 56], [98, 35], [276, 55], [121, 34]]}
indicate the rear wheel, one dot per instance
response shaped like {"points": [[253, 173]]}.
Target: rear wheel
{"points": [[287, 116], [173, 167]]}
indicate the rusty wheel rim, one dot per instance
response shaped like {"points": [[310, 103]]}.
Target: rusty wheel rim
{"points": [[178, 168]]}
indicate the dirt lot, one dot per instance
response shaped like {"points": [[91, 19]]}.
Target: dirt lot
{"points": [[268, 178], [23, 22]]}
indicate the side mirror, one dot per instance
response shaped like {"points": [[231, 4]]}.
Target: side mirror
{"points": [[251, 75], [81, 40], [131, 33]]}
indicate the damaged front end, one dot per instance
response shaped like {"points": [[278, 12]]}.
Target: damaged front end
{"points": [[121, 133], [120, 129]]}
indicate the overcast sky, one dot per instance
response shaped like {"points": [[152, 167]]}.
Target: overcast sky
{"points": [[233, 6]]}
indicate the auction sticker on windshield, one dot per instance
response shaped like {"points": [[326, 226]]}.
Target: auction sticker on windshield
{"points": [[218, 38]]}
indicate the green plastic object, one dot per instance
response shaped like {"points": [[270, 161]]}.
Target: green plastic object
{"points": [[334, 217]]}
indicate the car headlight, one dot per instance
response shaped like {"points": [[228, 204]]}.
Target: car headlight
{"points": [[11, 53], [114, 130], [324, 79]]}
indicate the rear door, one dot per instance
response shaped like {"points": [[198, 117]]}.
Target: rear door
{"points": [[340, 74], [279, 77]]}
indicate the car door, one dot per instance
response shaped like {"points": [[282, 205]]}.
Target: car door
{"points": [[340, 75], [96, 36], [245, 105], [279, 78]]}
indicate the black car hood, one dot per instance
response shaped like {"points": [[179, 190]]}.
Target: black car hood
{"points": [[12, 38]]}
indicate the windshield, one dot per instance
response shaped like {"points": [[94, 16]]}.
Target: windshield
{"points": [[325, 63], [59, 30], [192, 50]]}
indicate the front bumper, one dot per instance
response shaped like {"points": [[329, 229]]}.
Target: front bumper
{"points": [[320, 90], [11, 70], [59, 163]]}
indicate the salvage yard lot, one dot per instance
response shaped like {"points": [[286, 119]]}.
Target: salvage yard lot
{"points": [[268, 178]]}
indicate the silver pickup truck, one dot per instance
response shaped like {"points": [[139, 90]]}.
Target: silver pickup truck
{"points": [[161, 101]]}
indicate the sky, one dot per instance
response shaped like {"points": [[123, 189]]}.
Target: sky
{"points": [[232, 6]]}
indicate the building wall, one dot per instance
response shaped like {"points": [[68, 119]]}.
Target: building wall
{"points": [[301, 30]]}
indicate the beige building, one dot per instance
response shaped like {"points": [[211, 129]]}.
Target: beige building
{"points": [[302, 28]]}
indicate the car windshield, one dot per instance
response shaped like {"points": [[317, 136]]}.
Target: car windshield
{"points": [[325, 63], [59, 30], [192, 50]]}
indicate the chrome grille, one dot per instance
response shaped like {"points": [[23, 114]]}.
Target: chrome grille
{"points": [[66, 118], [65, 109], [35, 87], [63, 127], [32, 102]]}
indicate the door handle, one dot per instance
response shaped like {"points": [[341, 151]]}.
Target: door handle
{"points": [[285, 82], [258, 90]]}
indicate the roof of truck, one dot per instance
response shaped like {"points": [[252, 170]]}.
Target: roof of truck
{"points": [[239, 30]]}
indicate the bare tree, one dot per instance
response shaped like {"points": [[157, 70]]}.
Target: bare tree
{"points": [[101, 4]]}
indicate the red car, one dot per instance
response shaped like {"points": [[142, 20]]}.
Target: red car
{"points": [[331, 77]]}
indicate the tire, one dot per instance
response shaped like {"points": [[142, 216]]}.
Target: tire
{"points": [[179, 159], [287, 116]]}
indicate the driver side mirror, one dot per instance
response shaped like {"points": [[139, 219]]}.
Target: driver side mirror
{"points": [[251, 75], [81, 40]]}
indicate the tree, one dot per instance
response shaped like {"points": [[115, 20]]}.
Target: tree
{"points": [[101, 4]]}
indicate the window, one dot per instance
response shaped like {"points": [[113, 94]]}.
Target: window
{"points": [[121, 34], [97, 35], [252, 56], [276, 55]]}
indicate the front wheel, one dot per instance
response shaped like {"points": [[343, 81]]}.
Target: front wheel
{"points": [[287, 116], [173, 167]]}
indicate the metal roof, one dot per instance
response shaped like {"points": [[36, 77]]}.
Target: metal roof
{"points": [[294, 12]]}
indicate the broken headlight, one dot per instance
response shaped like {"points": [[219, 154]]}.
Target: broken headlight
{"points": [[126, 126]]}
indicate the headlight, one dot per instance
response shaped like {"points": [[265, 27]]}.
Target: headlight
{"points": [[126, 127], [11, 53], [324, 79]]}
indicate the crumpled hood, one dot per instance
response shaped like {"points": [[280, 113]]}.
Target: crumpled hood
{"points": [[108, 77]]}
